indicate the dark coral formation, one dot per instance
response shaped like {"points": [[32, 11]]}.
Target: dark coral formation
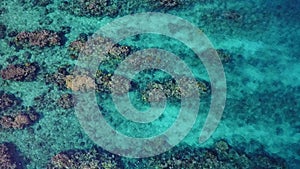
{"points": [[221, 156], [32, 3], [76, 46], [169, 3], [8, 157], [19, 120], [8, 100], [20, 72], [44, 102], [113, 51], [2, 31], [108, 83], [224, 55], [58, 78], [41, 2], [111, 8], [66, 101], [39, 38], [93, 159], [172, 90], [91, 7]]}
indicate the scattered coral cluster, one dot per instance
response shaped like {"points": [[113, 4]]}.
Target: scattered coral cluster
{"points": [[39, 38], [2, 31], [77, 46], [107, 83], [9, 157], [8, 100], [169, 3], [111, 8], [108, 48], [19, 120], [93, 159], [171, 89], [58, 78], [66, 101], [221, 156], [80, 82], [91, 7], [224, 55], [20, 72], [12, 115]]}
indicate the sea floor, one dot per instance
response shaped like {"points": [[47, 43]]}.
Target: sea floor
{"points": [[258, 43]]}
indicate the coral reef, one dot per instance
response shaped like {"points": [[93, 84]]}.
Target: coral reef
{"points": [[172, 90], [221, 155], [66, 101], [107, 82], [82, 82], [41, 2], [2, 31], [19, 120], [76, 46], [58, 77], [224, 55], [8, 100], [118, 52], [91, 7], [20, 72], [111, 8], [32, 3], [169, 3], [39, 38], [110, 49], [9, 157], [92, 159]]}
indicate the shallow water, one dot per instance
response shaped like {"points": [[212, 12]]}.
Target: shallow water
{"points": [[257, 41]]}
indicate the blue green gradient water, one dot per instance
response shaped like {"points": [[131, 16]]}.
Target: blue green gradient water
{"points": [[263, 84]]}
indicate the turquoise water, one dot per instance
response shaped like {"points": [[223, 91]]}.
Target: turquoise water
{"points": [[258, 44]]}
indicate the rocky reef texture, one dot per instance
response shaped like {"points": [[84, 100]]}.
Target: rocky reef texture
{"points": [[172, 90], [8, 157], [93, 159], [80, 82], [39, 38], [8, 100], [66, 101], [90, 8], [112, 8], [107, 82], [18, 120], [77, 45], [108, 48], [20, 72], [225, 55], [58, 77], [220, 155], [2, 31]]}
